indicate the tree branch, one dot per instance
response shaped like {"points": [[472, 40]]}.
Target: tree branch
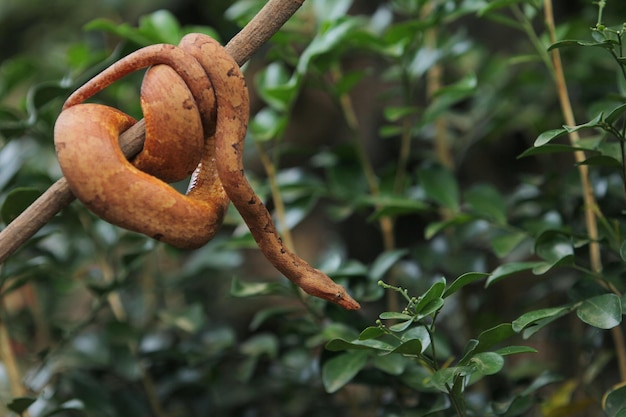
{"points": [[257, 32]]}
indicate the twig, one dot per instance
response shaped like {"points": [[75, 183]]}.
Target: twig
{"points": [[257, 32]]}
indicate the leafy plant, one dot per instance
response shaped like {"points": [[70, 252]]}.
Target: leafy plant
{"points": [[392, 143]]}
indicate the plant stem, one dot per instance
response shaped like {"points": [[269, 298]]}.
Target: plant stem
{"points": [[7, 356], [385, 223], [433, 84], [589, 199], [279, 205]]}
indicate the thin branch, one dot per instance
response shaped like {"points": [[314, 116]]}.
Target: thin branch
{"points": [[591, 206], [257, 32]]}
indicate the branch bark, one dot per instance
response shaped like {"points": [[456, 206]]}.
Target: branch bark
{"points": [[255, 34]]}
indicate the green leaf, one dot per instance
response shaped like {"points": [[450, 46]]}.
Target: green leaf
{"points": [[551, 148], [462, 281], [458, 219], [534, 321], [514, 350], [371, 332], [595, 122], [410, 347], [161, 25], [259, 345], [392, 315], [417, 333], [330, 36], [622, 251], [190, 319], [369, 344], [506, 270], [384, 262], [602, 161], [549, 135], [555, 247], [18, 200], [394, 113], [433, 294], [390, 364], [491, 337], [615, 114], [267, 125], [440, 185], [607, 44], [487, 202], [602, 311], [250, 289], [487, 363], [402, 326], [274, 86], [614, 400], [19, 405], [340, 370], [505, 241]]}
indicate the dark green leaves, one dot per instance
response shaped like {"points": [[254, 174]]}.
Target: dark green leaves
{"points": [[16, 202], [602, 311], [340, 370], [440, 185]]}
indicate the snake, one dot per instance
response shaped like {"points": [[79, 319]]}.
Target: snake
{"points": [[196, 107]]}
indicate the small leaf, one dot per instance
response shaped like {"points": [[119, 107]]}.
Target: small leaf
{"points": [[267, 125], [607, 44], [16, 202], [539, 318], [369, 344], [434, 293], [390, 364], [509, 269], [371, 332], [550, 148], [463, 281], [19, 405], [602, 311], [615, 114], [340, 370], [555, 248], [504, 242], [549, 135], [487, 202], [249, 289], [410, 347], [384, 262], [393, 113], [595, 122], [514, 350], [392, 315], [189, 319], [614, 400], [162, 25], [622, 251], [417, 333], [602, 161], [458, 219], [491, 337], [441, 186], [402, 326], [487, 363]]}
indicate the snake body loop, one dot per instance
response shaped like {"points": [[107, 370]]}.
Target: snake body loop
{"points": [[119, 192]]}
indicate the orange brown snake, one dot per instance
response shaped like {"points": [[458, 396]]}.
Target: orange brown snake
{"points": [[200, 88]]}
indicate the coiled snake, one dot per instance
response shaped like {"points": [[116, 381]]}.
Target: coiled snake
{"points": [[196, 113]]}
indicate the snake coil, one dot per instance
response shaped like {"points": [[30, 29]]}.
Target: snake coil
{"points": [[195, 104]]}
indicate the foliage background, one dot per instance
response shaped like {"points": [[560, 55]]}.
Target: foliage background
{"points": [[382, 176]]}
